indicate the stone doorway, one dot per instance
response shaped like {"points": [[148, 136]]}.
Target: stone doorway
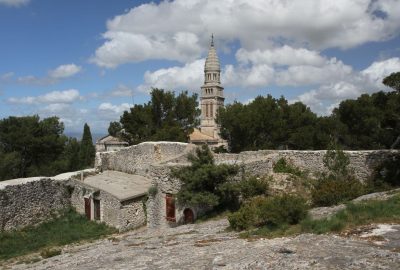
{"points": [[88, 209], [188, 215]]}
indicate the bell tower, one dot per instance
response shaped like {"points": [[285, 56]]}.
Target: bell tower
{"points": [[212, 94]]}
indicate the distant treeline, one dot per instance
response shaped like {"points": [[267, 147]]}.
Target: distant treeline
{"points": [[368, 122], [33, 147]]}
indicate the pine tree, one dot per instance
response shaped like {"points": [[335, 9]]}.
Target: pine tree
{"points": [[87, 151]]}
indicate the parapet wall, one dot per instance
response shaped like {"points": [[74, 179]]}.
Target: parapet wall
{"points": [[136, 159], [29, 201], [362, 163]]}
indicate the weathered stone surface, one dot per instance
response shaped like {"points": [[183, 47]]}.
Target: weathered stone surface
{"points": [[209, 246], [28, 201]]}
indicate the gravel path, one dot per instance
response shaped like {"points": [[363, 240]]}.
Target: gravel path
{"points": [[209, 246]]}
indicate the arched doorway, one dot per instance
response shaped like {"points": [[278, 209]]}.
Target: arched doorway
{"points": [[188, 215]]}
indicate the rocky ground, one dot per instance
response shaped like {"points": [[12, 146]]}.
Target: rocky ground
{"points": [[208, 246]]}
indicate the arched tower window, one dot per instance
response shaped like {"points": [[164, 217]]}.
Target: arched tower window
{"points": [[206, 110], [211, 110]]}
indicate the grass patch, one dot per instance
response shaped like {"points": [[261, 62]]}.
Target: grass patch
{"points": [[353, 216], [64, 229], [282, 166], [214, 214]]}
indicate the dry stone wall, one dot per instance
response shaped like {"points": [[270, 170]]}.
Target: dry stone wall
{"points": [[155, 160], [362, 163], [31, 202], [136, 159]]}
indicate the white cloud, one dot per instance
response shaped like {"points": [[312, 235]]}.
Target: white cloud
{"points": [[187, 77], [255, 76], [121, 91], [282, 56], [323, 99], [378, 70], [14, 3], [53, 76], [116, 109], [64, 71], [67, 96], [6, 76], [179, 30], [331, 70]]}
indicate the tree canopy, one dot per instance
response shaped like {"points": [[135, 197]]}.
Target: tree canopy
{"points": [[165, 117], [33, 147], [368, 122], [87, 150]]}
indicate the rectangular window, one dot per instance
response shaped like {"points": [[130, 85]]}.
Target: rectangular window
{"points": [[170, 207], [211, 110], [96, 205]]}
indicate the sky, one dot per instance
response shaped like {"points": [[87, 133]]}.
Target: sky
{"points": [[88, 61]]}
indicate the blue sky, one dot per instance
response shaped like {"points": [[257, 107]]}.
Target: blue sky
{"points": [[88, 61]]}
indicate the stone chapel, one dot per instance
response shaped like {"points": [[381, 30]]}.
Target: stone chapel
{"points": [[211, 99]]}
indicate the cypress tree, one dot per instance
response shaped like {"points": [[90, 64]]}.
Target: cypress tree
{"points": [[87, 151]]}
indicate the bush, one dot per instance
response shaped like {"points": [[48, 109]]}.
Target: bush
{"points": [[329, 191], [253, 186], [152, 191], [247, 216], [282, 166], [204, 183], [271, 211], [388, 173], [283, 209], [338, 185], [50, 252]]}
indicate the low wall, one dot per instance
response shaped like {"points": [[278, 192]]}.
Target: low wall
{"points": [[31, 201], [362, 163], [137, 158]]}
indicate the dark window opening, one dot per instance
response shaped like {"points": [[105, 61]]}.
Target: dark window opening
{"points": [[170, 207], [96, 204]]}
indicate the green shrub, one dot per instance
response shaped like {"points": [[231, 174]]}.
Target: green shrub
{"points": [[283, 209], [338, 184], [152, 191], [50, 252], [282, 166], [204, 183], [328, 191], [388, 173], [271, 211], [247, 216], [253, 186]]}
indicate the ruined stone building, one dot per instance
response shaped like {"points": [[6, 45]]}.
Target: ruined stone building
{"points": [[211, 100], [110, 143]]}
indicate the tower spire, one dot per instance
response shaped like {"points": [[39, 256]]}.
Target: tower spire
{"points": [[212, 40]]}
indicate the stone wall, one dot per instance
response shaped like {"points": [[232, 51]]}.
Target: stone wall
{"points": [[31, 201], [362, 163], [154, 160], [136, 159]]}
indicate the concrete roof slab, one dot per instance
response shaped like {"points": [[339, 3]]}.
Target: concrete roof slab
{"points": [[121, 185]]}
